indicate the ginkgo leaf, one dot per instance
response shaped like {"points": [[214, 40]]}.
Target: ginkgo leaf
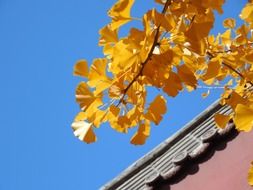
{"points": [[93, 109], [250, 175], [98, 117], [107, 36], [234, 99], [81, 116], [243, 118], [153, 19], [217, 4], [200, 27], [121, 124], [221, 120], [226, 37], [156, 109], [173, 85], [81, 68], [247, 13], [120, 13], [229, 23], [212, 72], [123, 58], [187, 76], [97, 76], [97, 72], [83, 131], [84, 96], [142, 134]]}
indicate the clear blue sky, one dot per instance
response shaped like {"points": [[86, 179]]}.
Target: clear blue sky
{"points": [[39, 43]]}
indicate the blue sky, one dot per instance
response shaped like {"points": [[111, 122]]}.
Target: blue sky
{"points": [[39, 43]]}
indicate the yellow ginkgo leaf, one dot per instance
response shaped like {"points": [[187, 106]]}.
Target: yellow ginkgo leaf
{"points": [[81, 68], [234, 99], [142, 134], [97, 72], [124, 57], [243, 118], [187, 76], [247, 13], [97, 76], [81, 116], [172, 85], [121, 124], [107, 35], [221, 120], [250, 175], [229, 23], [226, 37], [120, 13], [212, 72], [83, 131], [84, 96], [156, 109], [200, 27], [217, 4]]}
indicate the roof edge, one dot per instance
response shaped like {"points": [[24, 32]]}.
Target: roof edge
{"points": [[161, 148]]}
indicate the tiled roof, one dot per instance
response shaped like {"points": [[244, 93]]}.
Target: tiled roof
{"points": [[168, 159]]}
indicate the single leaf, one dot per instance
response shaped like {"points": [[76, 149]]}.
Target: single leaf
{"points": [[121, 124], [173, 85], [226, 38], [200, 27], [97, 76], [142, 134], [212, 72], [84, 96], [187, 76], [234, 99], [250, 175], [221, 120], [81, 116], [97, 72], [124, 57], [83, 131], [107, 36], [247, 12], [120, 13], [229, 23], [81, 68], [217, 4], [98, 117], [243, 118], [156, 109]]}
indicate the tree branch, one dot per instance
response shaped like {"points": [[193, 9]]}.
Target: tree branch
{"points": [[168, 2]]}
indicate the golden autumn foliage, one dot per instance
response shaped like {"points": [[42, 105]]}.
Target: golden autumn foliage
{"points": [[173, 51]]}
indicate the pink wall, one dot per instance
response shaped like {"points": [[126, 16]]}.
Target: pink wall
{"points": [[227, 169]]}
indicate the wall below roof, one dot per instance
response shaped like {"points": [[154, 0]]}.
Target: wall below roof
{"points": [[227, 169]]}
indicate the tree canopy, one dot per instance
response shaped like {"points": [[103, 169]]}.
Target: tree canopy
{"points": [[173, 51]]}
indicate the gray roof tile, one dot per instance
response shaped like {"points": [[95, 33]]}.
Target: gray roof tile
{"points": [[167, 160]]}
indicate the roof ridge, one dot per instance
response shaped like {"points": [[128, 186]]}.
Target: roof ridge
{"points": [[162, 147]]}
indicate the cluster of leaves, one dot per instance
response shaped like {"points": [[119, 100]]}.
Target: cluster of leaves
{"points": [[172, 52]]}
